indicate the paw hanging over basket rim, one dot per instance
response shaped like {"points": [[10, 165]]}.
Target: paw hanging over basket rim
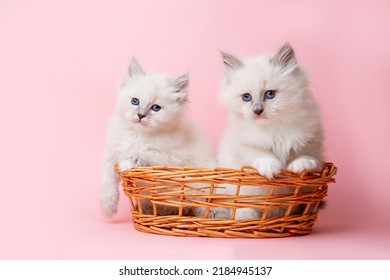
{"points": [[184, 190]]}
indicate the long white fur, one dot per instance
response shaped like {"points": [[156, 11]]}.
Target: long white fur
{"points": [[286, 135], [166, 137]]}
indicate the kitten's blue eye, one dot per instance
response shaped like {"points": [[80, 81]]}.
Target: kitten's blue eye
{"points": [[269, 94], [135, 101], [156, 107], [246, 97]]}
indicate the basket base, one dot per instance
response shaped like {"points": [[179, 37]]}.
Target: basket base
{"points": [[225, 228]]}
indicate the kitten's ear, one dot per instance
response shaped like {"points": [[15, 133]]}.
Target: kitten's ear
{"points": [[180, 87], [134, 69], [230, 62], [285, 59]]}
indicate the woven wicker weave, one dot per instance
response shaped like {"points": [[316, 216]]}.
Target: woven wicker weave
{"points": [[173, 186]]}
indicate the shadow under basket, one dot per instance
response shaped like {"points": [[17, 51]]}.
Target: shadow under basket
{"points": [[187, 190]]}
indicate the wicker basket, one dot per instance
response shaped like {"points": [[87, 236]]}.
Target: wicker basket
{"points": [[173, 187]]}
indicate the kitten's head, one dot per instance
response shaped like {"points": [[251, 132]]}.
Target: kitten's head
{"points": [[151, 102], [264, 89]]}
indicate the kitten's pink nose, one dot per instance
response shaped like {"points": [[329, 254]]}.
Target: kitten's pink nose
{"points": [[258, 111], [141, 116]]}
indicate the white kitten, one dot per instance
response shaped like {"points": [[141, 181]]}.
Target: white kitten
{"points": [[274, 120], [149, 127]]}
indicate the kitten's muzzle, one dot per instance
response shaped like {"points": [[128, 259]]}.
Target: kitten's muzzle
{"points": [[257, 109], [141, 116]]}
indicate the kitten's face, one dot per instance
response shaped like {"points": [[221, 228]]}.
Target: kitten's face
{"points": [[151, 102], [264, 89]]}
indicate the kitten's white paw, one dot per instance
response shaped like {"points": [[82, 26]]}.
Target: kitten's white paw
{"points": [[302, 163], [140, 161], [219, 213], [247, 213], [109, 203], [268, 166], [124, 165]]}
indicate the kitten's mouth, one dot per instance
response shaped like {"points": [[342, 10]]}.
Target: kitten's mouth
{"points": [[260, 118], [140, 122]]}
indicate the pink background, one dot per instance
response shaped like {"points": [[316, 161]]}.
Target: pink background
{"points": [[61, 63]]}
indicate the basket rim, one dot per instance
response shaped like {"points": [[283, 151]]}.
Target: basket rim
{"points": [[247, 174]]}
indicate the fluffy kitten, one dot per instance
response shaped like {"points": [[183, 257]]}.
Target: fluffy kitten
{"points": [[274, 120], [149, 127]]}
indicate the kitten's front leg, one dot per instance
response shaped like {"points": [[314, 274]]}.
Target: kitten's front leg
{"points": [[268, 165], [109, 194], [304, 163]]}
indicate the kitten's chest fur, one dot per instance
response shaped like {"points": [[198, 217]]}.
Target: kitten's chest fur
{"points": [[138, 143], [283, 141]]}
